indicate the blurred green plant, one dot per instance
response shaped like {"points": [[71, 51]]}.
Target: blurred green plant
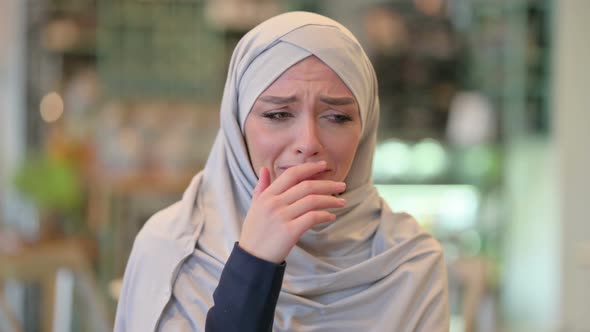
{"points": [[53, 185]]}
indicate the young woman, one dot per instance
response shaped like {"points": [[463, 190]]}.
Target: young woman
{"points": [[283, 230]]}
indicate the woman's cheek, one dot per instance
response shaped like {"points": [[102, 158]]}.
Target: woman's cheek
{"points": [[267, 152]]}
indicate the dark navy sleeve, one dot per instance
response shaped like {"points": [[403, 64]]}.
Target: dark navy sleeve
{"points": [[246, 296]]}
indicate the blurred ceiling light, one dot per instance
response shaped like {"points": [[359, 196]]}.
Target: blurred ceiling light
{"points": [[52, 107], [458, 206], [472, 119], [429, 159], [392, 159]]}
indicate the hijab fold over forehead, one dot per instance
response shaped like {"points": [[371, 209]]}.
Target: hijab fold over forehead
{"points": [[343, 55]]}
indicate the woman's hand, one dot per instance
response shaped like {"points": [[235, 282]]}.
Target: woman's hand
{"points": [[282, 211]]}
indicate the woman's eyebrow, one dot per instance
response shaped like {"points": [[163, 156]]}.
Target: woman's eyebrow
{"points": [[339, 101], [278, 99]]}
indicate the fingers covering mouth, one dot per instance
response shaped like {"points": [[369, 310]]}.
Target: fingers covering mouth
{"points": [[284, 168]]}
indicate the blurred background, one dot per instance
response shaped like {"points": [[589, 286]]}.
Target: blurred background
{"points": [[109, 107]]}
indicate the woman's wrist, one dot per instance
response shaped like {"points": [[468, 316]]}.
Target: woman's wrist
{"points": [[258, 256], [259, 252]]}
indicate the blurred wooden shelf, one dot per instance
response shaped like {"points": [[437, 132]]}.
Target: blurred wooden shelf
{"points": [[141, 182], [32, 260], [40, 262]]}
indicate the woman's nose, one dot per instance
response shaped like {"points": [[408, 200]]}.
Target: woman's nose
{"points": [[307, 140]]}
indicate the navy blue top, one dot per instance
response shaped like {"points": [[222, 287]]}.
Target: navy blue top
{"points": [[246, 296]]}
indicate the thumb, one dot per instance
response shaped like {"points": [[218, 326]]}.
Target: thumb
{"points": [[263, 182]]}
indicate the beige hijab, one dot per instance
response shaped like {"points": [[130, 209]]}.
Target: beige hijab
{"points": [[370, 270]]}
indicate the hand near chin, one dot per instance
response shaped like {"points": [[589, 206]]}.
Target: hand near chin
{"points": [[282, 211]]}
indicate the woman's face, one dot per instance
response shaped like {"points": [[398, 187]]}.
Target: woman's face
{"points": [[308, 114]]}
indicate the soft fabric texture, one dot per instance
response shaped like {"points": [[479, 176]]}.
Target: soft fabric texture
{"points": [[370, 270]]}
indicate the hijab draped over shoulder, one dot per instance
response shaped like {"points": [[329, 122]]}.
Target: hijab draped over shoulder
{"points": [[369, 270]]}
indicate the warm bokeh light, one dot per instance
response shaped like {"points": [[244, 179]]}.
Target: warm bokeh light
{"points": [[429, 7], [52, 107]]}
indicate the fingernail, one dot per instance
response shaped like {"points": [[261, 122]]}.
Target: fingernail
{"points": [[342, 201], [322, 162]]}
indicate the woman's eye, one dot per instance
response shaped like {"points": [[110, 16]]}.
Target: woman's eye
{"points": [[277, 115], [339, 118]]}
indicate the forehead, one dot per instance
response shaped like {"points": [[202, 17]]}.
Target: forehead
{"points": [[312, 74]]}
